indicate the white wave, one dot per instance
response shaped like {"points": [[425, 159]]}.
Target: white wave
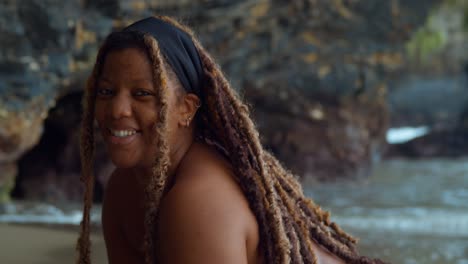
{"points": [[409, 220], [73, 219], [405, 134], [41, 213]]}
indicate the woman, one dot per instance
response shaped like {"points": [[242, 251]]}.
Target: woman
{"points": [[192, 182]]}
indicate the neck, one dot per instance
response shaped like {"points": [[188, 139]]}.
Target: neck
{"points": [[177, 154]]}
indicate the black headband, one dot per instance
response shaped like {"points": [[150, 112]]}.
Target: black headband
{"points": [[178, 48]]}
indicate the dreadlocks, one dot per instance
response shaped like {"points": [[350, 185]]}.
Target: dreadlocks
{"points": [[289, 223]]}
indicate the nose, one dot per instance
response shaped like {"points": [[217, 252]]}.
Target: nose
{"points": [[121, 106]]}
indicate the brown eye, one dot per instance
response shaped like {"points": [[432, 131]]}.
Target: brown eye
{"points": [[104, 92], [143, 93]]}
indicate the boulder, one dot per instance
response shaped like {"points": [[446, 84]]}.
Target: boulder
{"points": [[321, 66]]}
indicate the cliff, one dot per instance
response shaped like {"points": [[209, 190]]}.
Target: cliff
{"points": [[315, 72]]}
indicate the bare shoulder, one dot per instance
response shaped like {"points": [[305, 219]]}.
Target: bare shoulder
{"points": [[207, 190], [205, 197], [207, 181], [205, 217]]}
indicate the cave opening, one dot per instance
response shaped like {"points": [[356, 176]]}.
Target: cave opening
{"points": [[50, 171]]}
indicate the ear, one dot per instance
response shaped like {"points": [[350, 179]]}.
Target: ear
{"points": [[188, 107]]}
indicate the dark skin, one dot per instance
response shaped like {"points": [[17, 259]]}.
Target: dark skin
{"points": [[204, 218]]}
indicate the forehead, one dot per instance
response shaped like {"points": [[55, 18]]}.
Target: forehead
{"points": [[132, 67], [129, 63]]}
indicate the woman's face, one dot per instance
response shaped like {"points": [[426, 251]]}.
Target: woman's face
{"points": [[126, 107]]}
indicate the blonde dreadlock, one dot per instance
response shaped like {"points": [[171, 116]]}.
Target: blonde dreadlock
{"points": [[289, 222]]}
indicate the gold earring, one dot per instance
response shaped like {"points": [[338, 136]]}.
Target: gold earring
{"points": [[187, 122]]}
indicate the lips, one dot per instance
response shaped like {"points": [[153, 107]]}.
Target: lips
{"points": [[122, 136]]}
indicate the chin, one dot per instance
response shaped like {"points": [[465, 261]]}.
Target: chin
{"points": [[129, 158], [129, 161], [123, 160], [123, 163]]}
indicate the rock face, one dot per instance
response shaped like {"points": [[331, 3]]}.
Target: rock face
{"points": [[51, 169], [443, 143], [322, 137], [448, 141], [319, 66], [436, 72], [437, 76]]}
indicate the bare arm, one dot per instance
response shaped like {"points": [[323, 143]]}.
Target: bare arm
{"points": [[202, 224]]}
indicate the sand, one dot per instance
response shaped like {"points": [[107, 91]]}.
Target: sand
{"points": [[20, 244]]}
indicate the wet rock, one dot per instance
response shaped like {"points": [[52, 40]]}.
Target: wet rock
{"points": [[322, 137], [444, 143], [7, 180], [437, 75], [285, 55], [440, 100], [51, 169]]}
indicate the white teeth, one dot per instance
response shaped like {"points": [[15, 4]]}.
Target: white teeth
{"points": [[122, 133]]}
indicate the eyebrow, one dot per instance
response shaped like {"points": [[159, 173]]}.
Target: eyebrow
{"points": [[104, 79]]}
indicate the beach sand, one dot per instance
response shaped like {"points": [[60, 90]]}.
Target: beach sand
{"points": [[22, 244]]}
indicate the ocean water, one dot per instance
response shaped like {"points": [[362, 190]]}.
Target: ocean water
{"points": [[408, 211]]}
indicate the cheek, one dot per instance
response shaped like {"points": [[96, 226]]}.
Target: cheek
{"points": [[150, 137], [147, 124], [174, 127], [176, 133]]}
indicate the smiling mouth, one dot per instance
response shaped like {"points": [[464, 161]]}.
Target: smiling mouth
{"points": [[122, 137], [122, 133]]}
